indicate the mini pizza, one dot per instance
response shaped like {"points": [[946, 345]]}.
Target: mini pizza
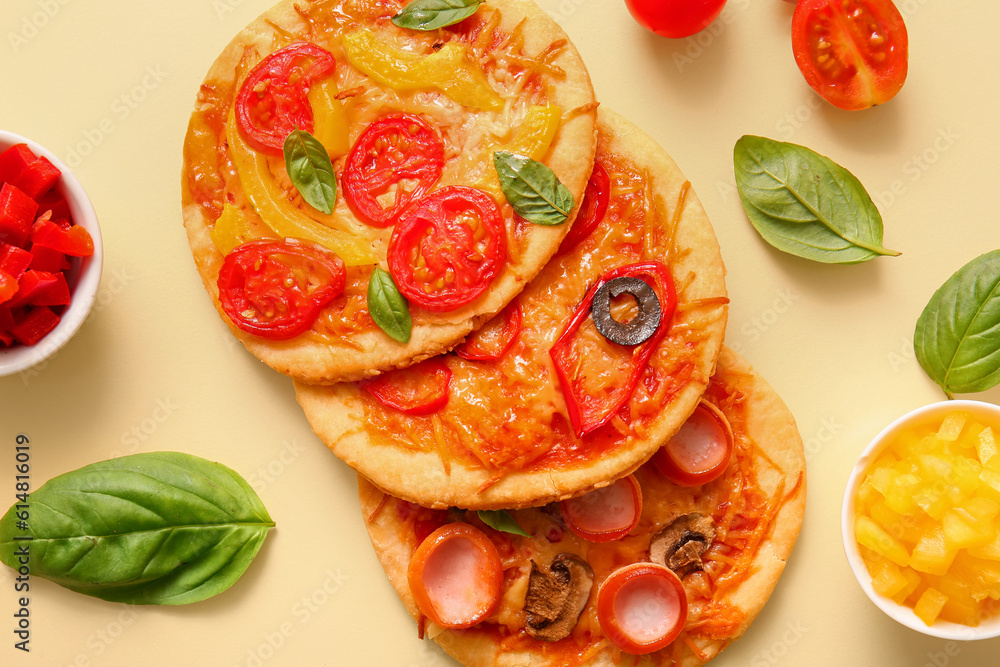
{"points": [[365, 182], [643, 572], [579, 380]]}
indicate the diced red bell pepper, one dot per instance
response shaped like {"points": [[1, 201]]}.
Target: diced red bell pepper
{"points": [[39, 288], [8, 286], [47, 259], [14, 160], [37, 178], [17, 213], [6, 324], [74, 241], [14, 260], [35, 325], [55, 202]]}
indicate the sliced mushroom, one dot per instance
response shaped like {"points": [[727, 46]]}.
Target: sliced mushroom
{"points": [[680, 544], [555, 599]]}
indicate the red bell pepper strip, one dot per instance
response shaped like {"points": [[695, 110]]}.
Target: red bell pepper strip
{"points": [[588, 412], [417, 390], [17, 212], [35, 325], [37, 178], [74, 241], [493, 339], [54, 202], [14, 160]]}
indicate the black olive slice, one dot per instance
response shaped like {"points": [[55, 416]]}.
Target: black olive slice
{"points": [[641, 327]]}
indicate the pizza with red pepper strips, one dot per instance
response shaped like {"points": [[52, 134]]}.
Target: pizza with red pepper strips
{"points": [[550, 407], [563, 598], [409, 120]]}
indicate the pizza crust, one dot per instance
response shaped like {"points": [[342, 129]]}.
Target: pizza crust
{"points": [[765, 422], [321, 359], [424, 476]]}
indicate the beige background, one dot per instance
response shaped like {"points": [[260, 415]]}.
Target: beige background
{"points": [[108, 86]]}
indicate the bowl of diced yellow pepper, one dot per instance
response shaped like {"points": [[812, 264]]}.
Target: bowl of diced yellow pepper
{"points": [[921, 520]]}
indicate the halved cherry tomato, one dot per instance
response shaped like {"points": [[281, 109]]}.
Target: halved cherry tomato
{"points": [[493, 339], [700, 451], [448, 247], [395, 161], [606, 514], [273, 100], [276, 289], [675, 18], [417, 390], [595, 204], [642, 607], [456, 576], [590, 409], [852, 52]]}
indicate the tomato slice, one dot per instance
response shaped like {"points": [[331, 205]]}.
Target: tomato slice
{"points": [[700, 451], [456, 576], [595, 204], [395, 161], [491, 341], [447, 249], [273, 99], [276, 289], [642, 607], [591, 407], [418, 390], [852, 52], [606, 514]]}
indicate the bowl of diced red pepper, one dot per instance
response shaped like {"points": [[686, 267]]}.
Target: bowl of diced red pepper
{"points": [[50, 254]]}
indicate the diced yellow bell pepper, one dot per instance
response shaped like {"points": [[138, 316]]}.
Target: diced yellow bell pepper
{"points": [[931, 554], [986, 445], [880, 479], [870, 534], [330, 124], [232, 229], [448, 70], [888, 580], [285, 219], [962, 612], [989, 551], [899, 495], [933, 499], [952, 425], [903, 528], [962, 530], [912, 582], [929, 606]]}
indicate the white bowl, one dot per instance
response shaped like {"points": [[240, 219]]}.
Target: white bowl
{"points": [[84, 275], [988, 627]]}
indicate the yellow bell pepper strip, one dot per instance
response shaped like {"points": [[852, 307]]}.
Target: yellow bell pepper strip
{"points": [[278, 213], [329, 118], [448, 70], [233, 229], [532, 139]]}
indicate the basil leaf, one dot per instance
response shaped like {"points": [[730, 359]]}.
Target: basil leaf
{"points": [[805, 204], [532, 189], [503, 521], [434, 14], [389, 308], [158, 528], [957, 339], [310, 170]]}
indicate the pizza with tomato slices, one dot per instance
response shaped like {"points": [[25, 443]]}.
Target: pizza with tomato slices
{"points": [[366, 181], [645, 571], [574, 384]]}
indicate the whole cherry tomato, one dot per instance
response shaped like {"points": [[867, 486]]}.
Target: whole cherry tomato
{"points": [[675, 18], [852, 52]]}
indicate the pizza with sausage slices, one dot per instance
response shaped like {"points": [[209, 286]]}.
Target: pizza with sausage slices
{"points": [[365, 181], [575, 383], [652, 570]]}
